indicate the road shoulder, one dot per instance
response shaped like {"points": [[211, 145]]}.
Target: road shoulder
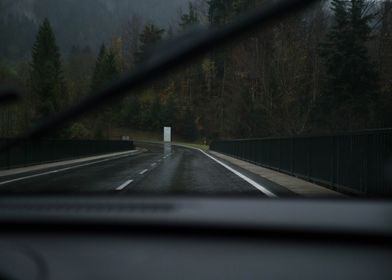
{"points": [[294, 184], [267, 187]]}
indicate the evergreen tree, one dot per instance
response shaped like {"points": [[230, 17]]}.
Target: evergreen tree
{"points": [[78, 72], [110, 74], [99, 72], [363, 76], [350, 85], [156, 113], [149, 38], [385, 64], [105, 71], [111, 71], [130, 113], [219, 11], [335, 50], [46, 76], [189, 19], [240, 6], [222, 11]]}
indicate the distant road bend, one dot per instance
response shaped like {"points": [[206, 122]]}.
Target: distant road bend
{"points": [[163, 168]]}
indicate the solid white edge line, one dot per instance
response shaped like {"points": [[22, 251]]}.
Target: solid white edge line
{"points": [[143, 171], [242, 176], [123, 186], [61, 170]]}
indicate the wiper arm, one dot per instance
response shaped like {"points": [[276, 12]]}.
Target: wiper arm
{"points": [[168, 58]]}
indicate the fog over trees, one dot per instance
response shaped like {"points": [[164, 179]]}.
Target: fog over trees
{"points": [[75, 22]]}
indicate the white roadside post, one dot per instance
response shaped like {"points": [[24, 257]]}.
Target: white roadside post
{"points": [[167, 134]]}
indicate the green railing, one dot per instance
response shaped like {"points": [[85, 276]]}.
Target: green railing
{"points": [[357, 162], [28, 153]]}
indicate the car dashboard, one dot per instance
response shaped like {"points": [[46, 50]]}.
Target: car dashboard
{"points": [[176, 237]]}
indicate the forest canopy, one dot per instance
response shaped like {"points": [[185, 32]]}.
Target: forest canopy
{"points": [[326, 70]]}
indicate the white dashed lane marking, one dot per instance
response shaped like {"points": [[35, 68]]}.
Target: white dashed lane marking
{"points": [[60, 170], [123, 186], [144, 171]]}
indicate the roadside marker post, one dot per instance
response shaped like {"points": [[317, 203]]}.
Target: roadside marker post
{"points": [[167, 134]]}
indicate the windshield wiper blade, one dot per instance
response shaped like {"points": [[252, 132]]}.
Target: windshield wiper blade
{"points": [[180, 52]]}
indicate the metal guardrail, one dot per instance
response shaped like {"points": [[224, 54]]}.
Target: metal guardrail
{"points": [[30, 152], [357, 163]]}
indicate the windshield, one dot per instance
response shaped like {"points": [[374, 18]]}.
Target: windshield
{"points": [[301, 107]]}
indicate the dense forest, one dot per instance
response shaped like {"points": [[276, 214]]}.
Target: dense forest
{"points": [[326, 70]]}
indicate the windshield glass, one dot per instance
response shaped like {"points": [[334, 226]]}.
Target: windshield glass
{"points": [[301, 107]]}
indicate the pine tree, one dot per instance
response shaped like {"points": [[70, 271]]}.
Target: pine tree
{"points": [[98, 74], [130, 112], [149, 38], [156, 113], [219, 11], [46, 76], [334, 52], [348, 66], [350, 85], [363, 76], [105, 71], [111, 69], [240, 6], [222, 11], [189, 19], [385, 64]]}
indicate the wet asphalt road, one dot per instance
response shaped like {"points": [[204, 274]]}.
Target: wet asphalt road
{"points": [[160, 169]]}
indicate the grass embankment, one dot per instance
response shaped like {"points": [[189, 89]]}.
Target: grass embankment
{"points": [[193, 145], [139, 135]]}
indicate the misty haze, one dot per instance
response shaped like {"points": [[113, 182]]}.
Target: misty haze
{"points": [[83, 23]]}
